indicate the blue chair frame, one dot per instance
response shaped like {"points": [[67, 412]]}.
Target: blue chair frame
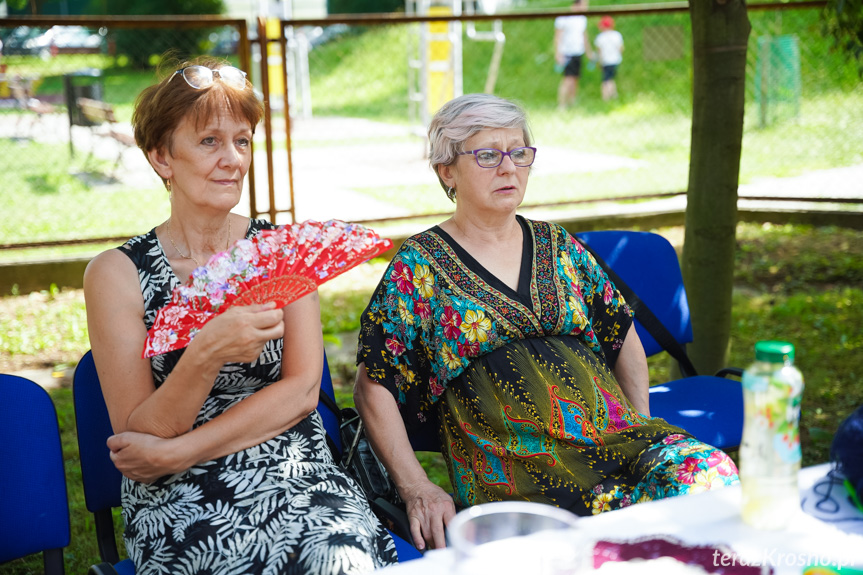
{"points": [[710, 407], [102, 480], [34, 505]]}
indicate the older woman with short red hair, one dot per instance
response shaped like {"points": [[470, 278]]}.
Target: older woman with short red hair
{"points": [[225, 461]]}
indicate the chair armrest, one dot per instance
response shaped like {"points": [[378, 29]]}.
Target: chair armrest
{"points": [[102, 569], [726, 371], [394, 518]]}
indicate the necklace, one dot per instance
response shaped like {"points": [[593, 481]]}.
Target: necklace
{"points": [[189, 257]]}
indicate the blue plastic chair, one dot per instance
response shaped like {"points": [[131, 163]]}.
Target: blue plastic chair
{"points": [[102, 480], [708, 407], [34, 507]]}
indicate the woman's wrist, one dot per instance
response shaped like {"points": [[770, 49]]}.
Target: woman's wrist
{"points": [[203, 355], [410, 478], [179, 453], [201, 350]]}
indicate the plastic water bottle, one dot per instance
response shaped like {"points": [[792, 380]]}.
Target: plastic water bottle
{"points": [[770, 451]]}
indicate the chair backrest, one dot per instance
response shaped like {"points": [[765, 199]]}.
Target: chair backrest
{"points": [[34, 507], [100, 478], [331, 420], [648, 263]]}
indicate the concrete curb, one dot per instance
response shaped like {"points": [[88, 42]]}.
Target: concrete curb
{"points": [[69, 272]]}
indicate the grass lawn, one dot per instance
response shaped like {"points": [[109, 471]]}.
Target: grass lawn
{"points": [[796, 283], [650, 123]]}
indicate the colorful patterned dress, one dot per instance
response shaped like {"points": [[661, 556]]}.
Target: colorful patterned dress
{"points": [[518, 384], [281, 507]]}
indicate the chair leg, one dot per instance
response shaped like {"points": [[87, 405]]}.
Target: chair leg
{"points": [[102, 569], [105, 536], [53, 560]]}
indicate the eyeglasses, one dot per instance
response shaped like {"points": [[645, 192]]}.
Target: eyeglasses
{"points": [[200, 77], [492, 157]]}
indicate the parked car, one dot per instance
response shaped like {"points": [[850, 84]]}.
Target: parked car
{"points": [[13, 42], [65, 40]]}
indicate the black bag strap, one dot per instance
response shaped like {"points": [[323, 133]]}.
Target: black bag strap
{"points": [[330, 404], [348, 451], [647, 318]]}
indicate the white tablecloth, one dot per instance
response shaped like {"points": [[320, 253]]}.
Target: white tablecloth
{"points": [[714, 518]]}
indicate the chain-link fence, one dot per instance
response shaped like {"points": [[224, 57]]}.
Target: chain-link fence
{"points": [[361, 92], [367, 87], [67, 90]]}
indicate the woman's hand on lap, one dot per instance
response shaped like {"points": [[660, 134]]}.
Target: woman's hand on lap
{"points": [[429, 510]]}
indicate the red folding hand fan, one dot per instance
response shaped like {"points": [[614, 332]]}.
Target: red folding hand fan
{"points": [[279, 265]]}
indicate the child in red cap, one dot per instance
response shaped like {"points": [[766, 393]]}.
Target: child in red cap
{"points": [[609, 46]]}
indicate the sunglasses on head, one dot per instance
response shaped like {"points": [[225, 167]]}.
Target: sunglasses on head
{"points": [[200, 77]]}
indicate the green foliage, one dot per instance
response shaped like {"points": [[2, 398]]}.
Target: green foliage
{"points": [[339, 311], [826, 326], [49, 323], [364, 6], [803, 285], [436, 469], [843, 21], [784, 258], [342, 84], [142, 45]]}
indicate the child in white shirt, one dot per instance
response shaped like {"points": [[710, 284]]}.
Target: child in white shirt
{"points": [[609, 46]]}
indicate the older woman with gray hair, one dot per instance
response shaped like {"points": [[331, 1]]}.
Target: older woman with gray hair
{"points": [[504, 338]]}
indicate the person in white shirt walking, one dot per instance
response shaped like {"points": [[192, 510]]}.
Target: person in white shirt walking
{"points": [[609, 47], [570, 43]]}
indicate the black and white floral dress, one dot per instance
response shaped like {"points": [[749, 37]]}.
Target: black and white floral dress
{"points": [[281, 507]]}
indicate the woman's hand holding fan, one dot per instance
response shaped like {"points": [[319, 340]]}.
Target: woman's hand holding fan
{"points": [[279, 265]]}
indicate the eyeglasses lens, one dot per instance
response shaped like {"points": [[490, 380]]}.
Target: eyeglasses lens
{"points": [[522, 156], [491, 158], [488, 158], [200, 77], [232, 77]]}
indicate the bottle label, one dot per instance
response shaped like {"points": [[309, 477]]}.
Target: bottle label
{"points": [[774, 406]]}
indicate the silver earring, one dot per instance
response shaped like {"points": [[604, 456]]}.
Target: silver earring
{"points": [[450, 193]]}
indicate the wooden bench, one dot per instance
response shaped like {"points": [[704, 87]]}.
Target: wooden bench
{"points": [[104, 124], [21, 89]]}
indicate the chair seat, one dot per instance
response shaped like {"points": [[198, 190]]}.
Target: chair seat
{"points": [[404, 550], [708, 407], [124, 567]]}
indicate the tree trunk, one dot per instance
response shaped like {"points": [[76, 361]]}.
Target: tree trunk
{"points": [[720, 31]]}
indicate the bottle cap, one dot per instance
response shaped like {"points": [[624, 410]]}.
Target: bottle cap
{"points": [[774, 351]]}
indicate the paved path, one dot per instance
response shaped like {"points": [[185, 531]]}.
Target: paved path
{"points": [[336, 158]]}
